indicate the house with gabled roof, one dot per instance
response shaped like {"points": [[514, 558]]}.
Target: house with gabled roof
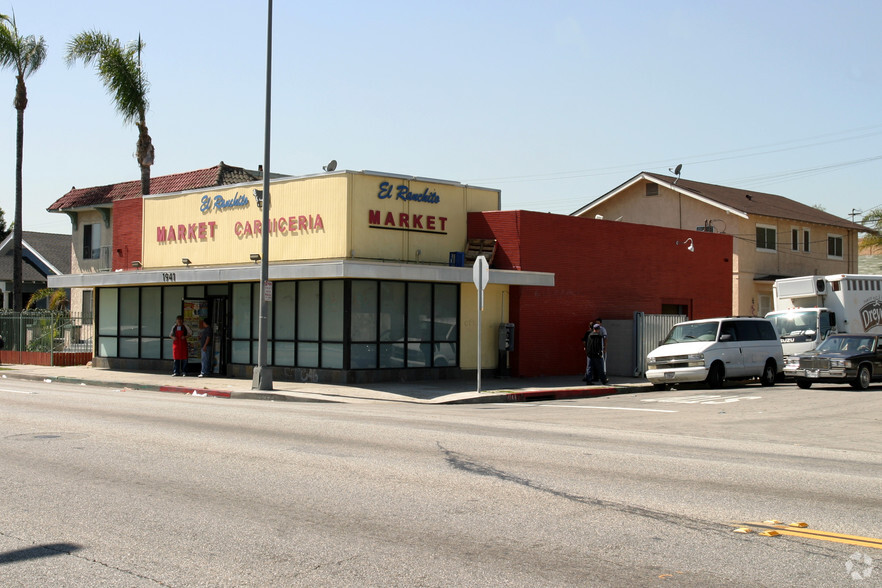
{"points": [[42, 254], [773, 236], [106, 220]]}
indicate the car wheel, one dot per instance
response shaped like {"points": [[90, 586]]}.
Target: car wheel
{"points": [[804, 384], [715, 376], [769, 374], [862, 382], [660, 387]]}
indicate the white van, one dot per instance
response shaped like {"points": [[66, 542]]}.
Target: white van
{"points": [[713, 350]]}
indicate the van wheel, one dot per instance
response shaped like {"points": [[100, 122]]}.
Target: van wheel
{"points": [[804, 384], [715, 376], [769, 374], [863, 378]]}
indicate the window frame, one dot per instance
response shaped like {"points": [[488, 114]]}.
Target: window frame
{"points": [[766, 229]]}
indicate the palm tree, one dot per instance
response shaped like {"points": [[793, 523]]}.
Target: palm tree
{"points": [[872, 219], [25, 55], [119, 68]]}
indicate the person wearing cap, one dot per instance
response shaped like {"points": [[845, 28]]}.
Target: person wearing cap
{"points": [[594, 349]]}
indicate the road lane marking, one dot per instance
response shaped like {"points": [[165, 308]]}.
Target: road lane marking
{"points": [[16, 391], [820, 535], [702, 399], [606, 407]]}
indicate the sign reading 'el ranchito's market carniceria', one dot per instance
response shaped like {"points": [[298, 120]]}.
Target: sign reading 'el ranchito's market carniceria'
{"points": [[208, 230]]}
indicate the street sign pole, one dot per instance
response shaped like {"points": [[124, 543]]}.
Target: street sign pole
{"points": [[480, 275]]}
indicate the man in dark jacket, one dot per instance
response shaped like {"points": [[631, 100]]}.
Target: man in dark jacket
{"points": [[594, 348]]}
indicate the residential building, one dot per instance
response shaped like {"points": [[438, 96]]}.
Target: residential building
{"points": [[773, 236], [43, 254]]}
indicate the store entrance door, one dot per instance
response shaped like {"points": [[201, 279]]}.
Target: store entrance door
{"points": [[219, 313]]}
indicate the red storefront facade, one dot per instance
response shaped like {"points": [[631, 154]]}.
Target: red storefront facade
{"points": [[602, 269]]}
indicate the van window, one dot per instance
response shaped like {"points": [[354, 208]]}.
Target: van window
{"points": [[731, 330], [755, 331]]}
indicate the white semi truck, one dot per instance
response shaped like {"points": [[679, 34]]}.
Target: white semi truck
{"points": [[809, 308]]}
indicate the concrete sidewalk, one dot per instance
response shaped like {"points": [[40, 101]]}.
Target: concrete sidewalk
{"points": [[421, 392]]}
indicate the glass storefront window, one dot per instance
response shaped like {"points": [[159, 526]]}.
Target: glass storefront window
{"points": [[364, 310], [285, 299], [241, 312], [108, 309], [391, 317], [419, 312], [308, 311], [332, 311], [128, 315], [151, 308]]}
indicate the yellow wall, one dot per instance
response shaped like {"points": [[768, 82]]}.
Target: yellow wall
{"points": [[335, 216], [496, 302], [388, 225]]}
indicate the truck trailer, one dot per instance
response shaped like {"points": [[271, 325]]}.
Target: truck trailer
{"points": [[809, 308]]}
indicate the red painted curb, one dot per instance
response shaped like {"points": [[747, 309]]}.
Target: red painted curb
{"points": [[195, 391], [558, 394]]}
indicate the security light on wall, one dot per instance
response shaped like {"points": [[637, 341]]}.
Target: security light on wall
{"points": [[136, 264], [255, 257], [186, 261], [690, 246]]}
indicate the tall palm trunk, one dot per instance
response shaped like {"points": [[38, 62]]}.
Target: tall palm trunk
{"points": [[21, 102]]}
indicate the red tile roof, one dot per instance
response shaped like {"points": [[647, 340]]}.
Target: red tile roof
{"points": [[219, 175]]}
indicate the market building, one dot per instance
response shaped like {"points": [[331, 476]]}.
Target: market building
{"points": [[361, 283], [370, 279]]}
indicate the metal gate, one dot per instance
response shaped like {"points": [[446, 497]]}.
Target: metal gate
{"points": [[649, 331]]}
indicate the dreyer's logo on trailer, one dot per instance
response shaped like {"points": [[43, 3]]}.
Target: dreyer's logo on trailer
{"points": [[871, 314]]}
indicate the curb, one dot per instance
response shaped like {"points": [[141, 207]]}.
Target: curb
{"points": [[538, 395]]}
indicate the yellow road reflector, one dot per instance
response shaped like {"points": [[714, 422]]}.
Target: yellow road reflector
{"points": [[800, 525], [744, 530], [769, 533]]}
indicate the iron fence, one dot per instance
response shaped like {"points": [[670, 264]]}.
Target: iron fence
{"points": [[46, 337]]}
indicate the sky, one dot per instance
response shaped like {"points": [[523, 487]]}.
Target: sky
{"points": [[554, 103]]}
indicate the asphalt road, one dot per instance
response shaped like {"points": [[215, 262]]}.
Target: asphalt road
{"points": [[109, 488]]}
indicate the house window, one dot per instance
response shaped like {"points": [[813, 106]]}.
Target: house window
{"points": [[765, 304], [794, 239], [651, 189], [92, 241], [834, 246], [766, 237], [806, 239], [87, 305]]}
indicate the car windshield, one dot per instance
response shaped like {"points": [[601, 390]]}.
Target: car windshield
{"points": [[795, 323], [692, 332], [848, 345]]}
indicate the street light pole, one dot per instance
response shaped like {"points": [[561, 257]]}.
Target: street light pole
{"points": [[262, 378]]}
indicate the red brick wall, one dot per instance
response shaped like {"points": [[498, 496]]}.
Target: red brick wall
{"points": [[602, 269], [127, 219]]}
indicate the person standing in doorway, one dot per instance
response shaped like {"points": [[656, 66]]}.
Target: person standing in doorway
{"points": [[596, 370], [205, 346], [178, 335]]}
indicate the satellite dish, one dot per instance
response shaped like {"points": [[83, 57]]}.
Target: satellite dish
{"points": [[676, 171], [331, 166]]}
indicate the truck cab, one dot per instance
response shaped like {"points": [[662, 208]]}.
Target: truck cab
{"points": [[802, 329]]}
